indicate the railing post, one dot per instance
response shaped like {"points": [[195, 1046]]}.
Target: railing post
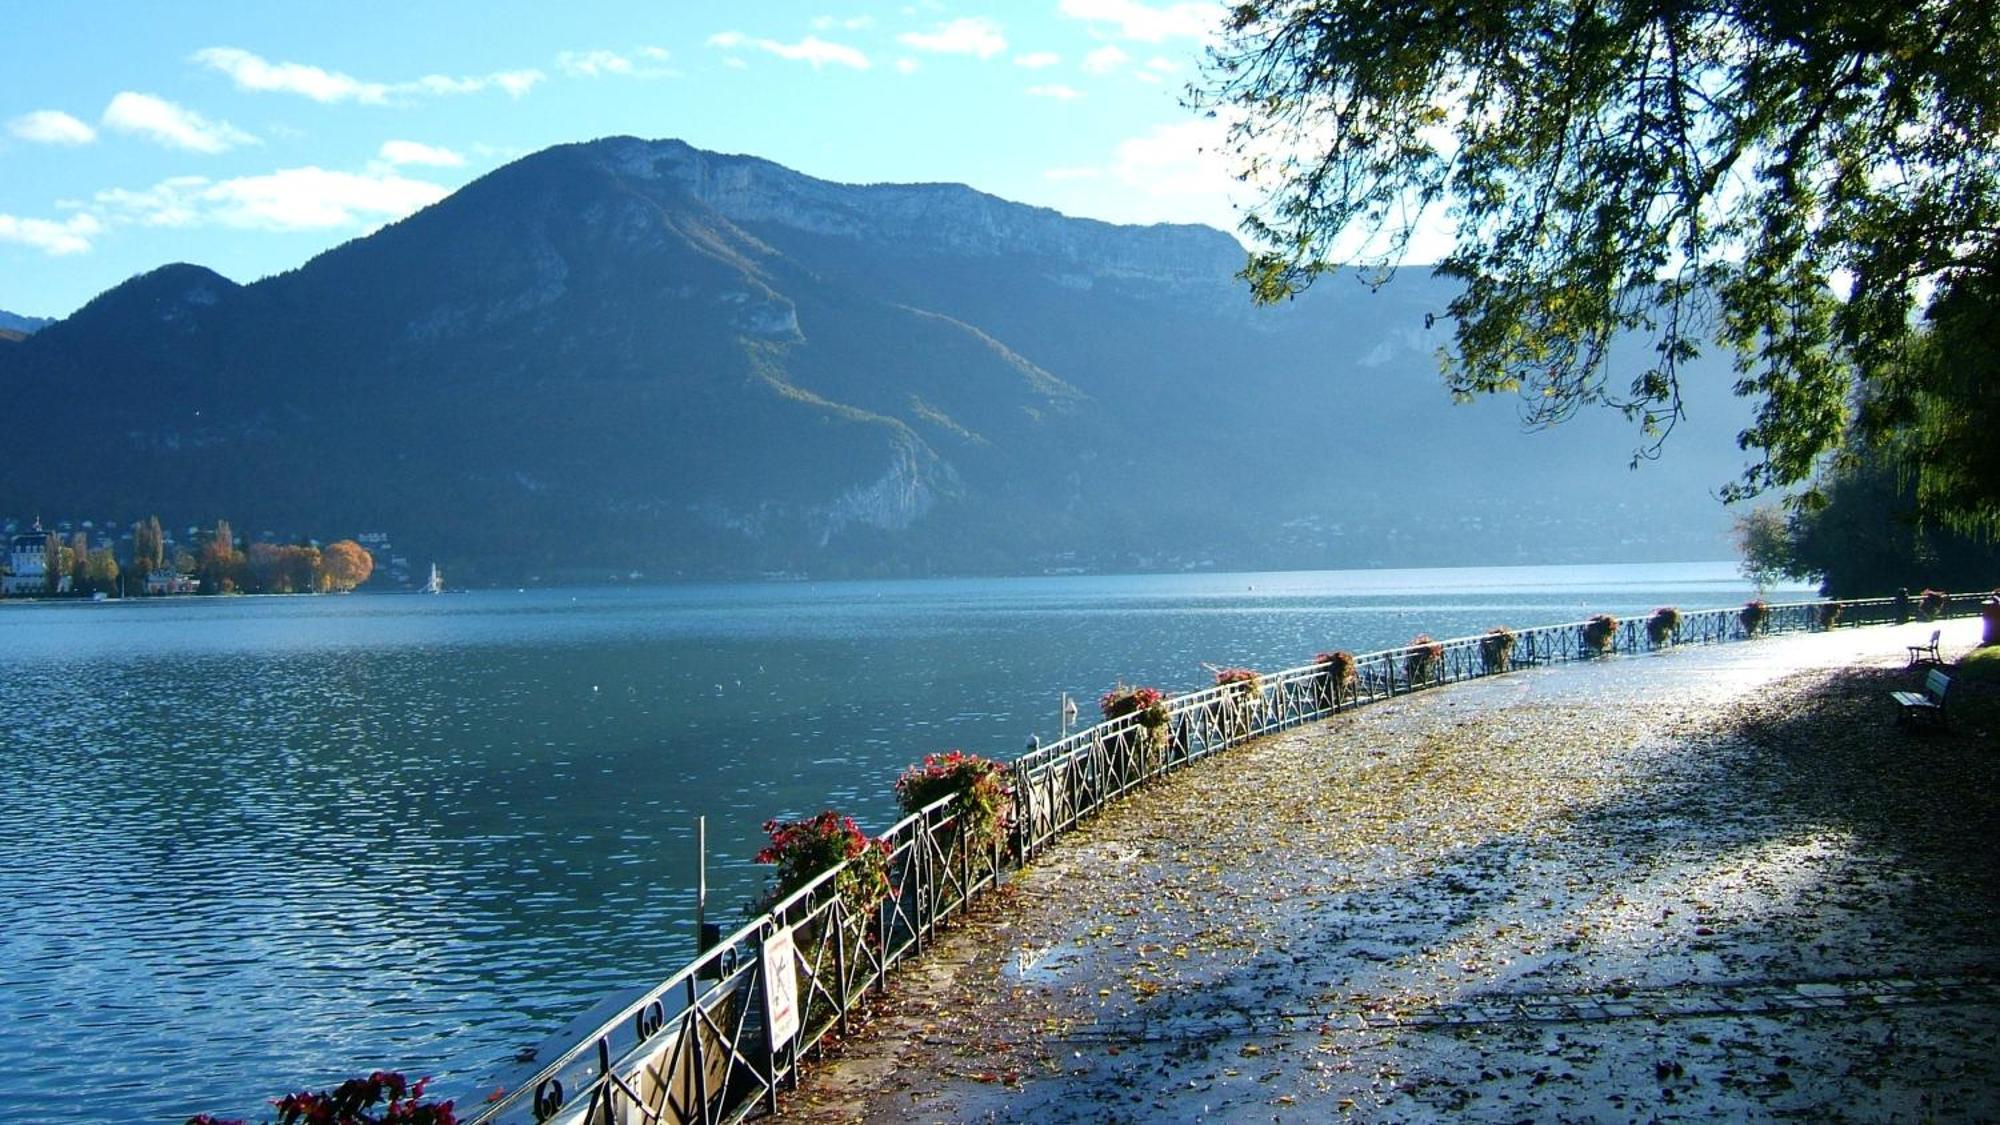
{"points": [[920, 919], [964, 857]]}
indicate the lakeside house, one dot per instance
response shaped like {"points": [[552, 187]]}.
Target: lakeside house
{"points": [[162, 582], [28, 565]]}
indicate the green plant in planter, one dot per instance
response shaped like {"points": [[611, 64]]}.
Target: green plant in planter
{"points": [[1424, 659], [802, 850], [1599, 632], [1754, 614], [1149, 704], [1496, 649], [1338, 676], [1932, 603], [985, 795], [1661, 625], [1829, 614]]}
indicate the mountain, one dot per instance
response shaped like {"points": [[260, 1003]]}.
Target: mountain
{"points": [[18, 326], [636, 355]]}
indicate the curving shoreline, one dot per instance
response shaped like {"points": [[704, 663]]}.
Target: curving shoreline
{"points": [[1716, 881]]}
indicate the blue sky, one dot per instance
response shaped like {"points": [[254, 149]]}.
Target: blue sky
{"points": [[249, 136]]}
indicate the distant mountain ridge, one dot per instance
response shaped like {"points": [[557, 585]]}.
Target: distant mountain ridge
{"points": [[22, 325], [631, 355], [942, 219]]}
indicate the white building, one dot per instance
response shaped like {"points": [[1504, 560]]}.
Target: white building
{"points": [[28, 563]]}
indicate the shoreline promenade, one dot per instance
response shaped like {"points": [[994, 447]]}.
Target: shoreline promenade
{"points": [[1714, 882]]}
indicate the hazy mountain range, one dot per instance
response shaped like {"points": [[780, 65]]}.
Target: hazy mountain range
{"points": [[629, 355], [17, 325]]}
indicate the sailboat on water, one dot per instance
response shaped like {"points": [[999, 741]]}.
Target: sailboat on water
{"points": [[435, 583]]}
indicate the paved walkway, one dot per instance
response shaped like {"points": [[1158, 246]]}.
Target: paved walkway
{"points": [[1718, 882]]}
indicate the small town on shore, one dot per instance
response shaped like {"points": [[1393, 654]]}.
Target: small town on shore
{"points": [[105, 559]]}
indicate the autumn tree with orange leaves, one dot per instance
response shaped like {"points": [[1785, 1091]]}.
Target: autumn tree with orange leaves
{"points": [[345, 565]]}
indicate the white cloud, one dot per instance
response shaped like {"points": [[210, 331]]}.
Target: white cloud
{"points": [[1130, 19], [1185, 158], [976, 35], [516, 83], [174, 126], [69, 236], [592, 64], [414, 152], [169, 203], [1172, 173], [316, 198], [309, 198], [51, 127], [1105, 59], [817, 52], [643, 63], [1036, 60], [907, 66], [1057, 91], [253, 72]]}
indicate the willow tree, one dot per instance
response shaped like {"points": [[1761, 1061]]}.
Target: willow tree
{"points": [[1792, 178]]}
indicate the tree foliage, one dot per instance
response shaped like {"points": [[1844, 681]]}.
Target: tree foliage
{"points": [[102, 572], [346, 564], [1869, 539], [55, 564], [220, 566], [1763, 539], [148, 546], [283, 569], [77, 558], [1674, 169], [1935, 413]]}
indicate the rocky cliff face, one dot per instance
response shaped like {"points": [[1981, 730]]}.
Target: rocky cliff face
{"points": [[635, 355], [946, 220]]}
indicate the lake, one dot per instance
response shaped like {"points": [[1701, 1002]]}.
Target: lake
{"points": [[254, 844]]}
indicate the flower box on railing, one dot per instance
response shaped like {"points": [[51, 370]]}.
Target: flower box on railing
{"points": [[1496, 649], [1754, 615], [1423, 660], [983, 789], [1599, 633], [1661, 627], [1337, 680]]}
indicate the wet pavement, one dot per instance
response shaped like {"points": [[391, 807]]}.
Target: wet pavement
{"points": [[1715, 882]]}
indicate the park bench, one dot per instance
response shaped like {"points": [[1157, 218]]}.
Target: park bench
{"points": [[1926, 705], [1927, 654]]}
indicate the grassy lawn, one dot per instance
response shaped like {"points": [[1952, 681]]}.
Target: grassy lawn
{"points": [[1981, 665]]}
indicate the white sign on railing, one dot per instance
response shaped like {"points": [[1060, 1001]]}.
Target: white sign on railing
{"points": [[781, 988]]}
